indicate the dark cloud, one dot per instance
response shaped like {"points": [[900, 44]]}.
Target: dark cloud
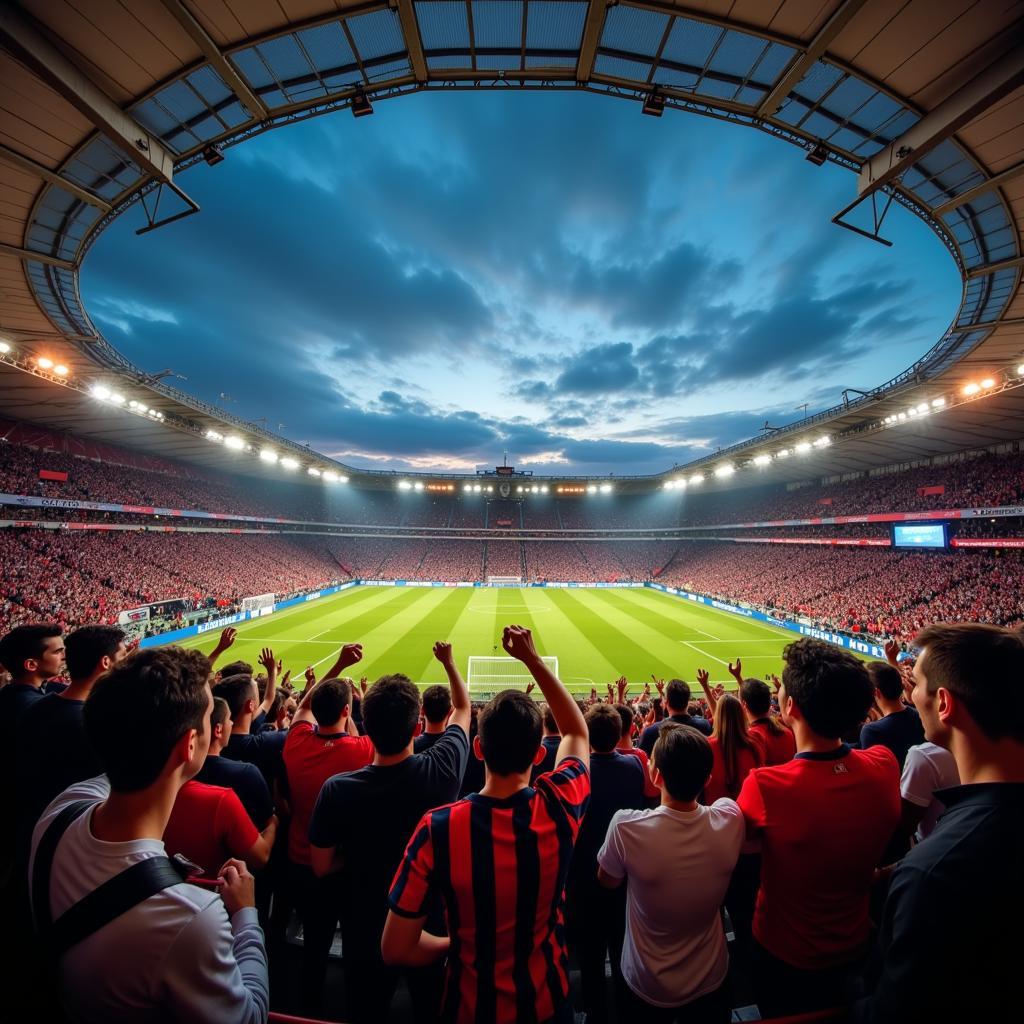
{"points": [[599, 370]]}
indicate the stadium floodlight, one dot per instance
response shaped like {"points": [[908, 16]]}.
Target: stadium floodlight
{"points": [[533, 490], [490, 489], [823, 442], [762, 460], [100, 392], [476, 488], [544, 489], [361, 105], [669, 485], [972, 388], [654, 103], [803, 448], [342, 479], [519, 490], [330, 476], [592, 489], [987, 383], [418, 486], [783, 453], [4, 348], [912, 411], [726, 469], [313, 471], [61, 370], [901, 416], [268, 455], [44, 364], [606, 488], [938, 403], [697, 478], [213, 435], [289, 463], [923, 407], [467, 487], [1020, 369], [116, 398], [235, 443], [404, 485]]}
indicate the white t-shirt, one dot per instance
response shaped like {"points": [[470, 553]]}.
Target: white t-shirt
{"points": [[679, 864], [928, 767], [175, 956]]}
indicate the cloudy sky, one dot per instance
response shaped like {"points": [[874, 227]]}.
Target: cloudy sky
{"points": [[552, 274]]}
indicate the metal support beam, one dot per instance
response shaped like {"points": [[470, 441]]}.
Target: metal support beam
{"points": [[413, 42], [217, 60], [1010, 321], [957, 110], [21, 36], [28, 254], [592, 29], [991, 268], [996, 181], [805, 61], [23, 163]]}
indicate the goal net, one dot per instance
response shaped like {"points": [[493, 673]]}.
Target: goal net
{"points": [[504, 581], [492, 675]]}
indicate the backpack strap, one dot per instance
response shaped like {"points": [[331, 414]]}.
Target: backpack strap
{"points": [[105, 903]]}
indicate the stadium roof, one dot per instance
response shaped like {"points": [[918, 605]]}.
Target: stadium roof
{"points": [[102, 104]]}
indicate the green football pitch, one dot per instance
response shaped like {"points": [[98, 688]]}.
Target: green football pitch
{"points": [[597, 635]]}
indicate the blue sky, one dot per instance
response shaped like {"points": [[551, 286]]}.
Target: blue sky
{"points": [[551, 273]]}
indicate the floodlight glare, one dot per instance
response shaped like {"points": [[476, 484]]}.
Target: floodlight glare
{"points": [[938, 403], [901, 416], [971, 389], [762, 460], [987, 383], [544, 489], [44, 364], [234, 442], [725, 470], [4, 348], [268, 455], [100, 392], [697, 478], [591, 489], [606, 488], [61, 370], [476, 488], [533, 490], [803, 447], [290, 463], [116, 398], [212, 435], [418, 486], [490, 489], [1020, 369], [342, 479], [467, 487], [923, 407], [823, 442], [519, 490], [669, 485], [332, 478], [313, 471], [911, 412], [782, 454]]}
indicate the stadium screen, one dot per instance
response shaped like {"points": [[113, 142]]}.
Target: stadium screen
{"points": [[920, 535]]}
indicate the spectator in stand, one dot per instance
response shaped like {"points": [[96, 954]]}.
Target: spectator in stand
{"points": [[245, 779], [499, 860], [595, 916], [963, 887], [677, 697], [550, 740], [32, 655], [311, 757], [363, 820], [627, 717], [263, 749], [182, 952], [900, 727], [773, 736], [678, 859], [928, 770], [824, 820], [437, 706], [52, 751]]}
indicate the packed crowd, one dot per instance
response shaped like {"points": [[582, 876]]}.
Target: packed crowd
{"points": [[819, 843]]}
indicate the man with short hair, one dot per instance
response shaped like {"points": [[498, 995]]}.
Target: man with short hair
{"points": [[263, 749], [595, 916], [549, 741], [499, 860], [437, 706], [677, 697], [32, 654], [900, 727], [961, 890], [824, 820], [245, 779], [678, 860], [625, 746], [183, 953], [363, 820], [772, 736]]}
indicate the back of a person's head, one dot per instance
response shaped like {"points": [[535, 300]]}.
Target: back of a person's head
{"points": [[141, 708], [683, 756], [730, 726], [391, 711], [626, 718], [982, 666], [677, 696], [550, 725], [886, 679], [659, 711], [604, 726], [329, 701], [830, 686], [237, 690], [25, 643], [757, 695], [85, 647], [510, 732], [437, 703], [235, 668], [219, 715]]}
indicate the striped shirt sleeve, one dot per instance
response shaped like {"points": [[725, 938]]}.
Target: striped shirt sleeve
{"points": [[410, 890], [567, 787]]}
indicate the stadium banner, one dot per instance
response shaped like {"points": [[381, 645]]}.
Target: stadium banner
{"points": [[133, 615], [987, 542], [853, 542], [838, 639]]}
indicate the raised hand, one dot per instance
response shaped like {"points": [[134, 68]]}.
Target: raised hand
{"points": [[310, 677], [703, 676], [659, 685], [718, 691], [623, 688], [268, 661], [443, 653], [227, 637], [892, 651], [593, 695], [736, 670], [518, 642], [776, 682], [611, 694], [530, 687], [363, 686], [285, 679], [350, 654]]}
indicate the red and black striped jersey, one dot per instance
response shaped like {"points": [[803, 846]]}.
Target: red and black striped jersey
{"points": [[500, 867]]}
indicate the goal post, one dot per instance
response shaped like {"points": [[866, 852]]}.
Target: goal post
{"points": [[504, 581], [491, 675]]}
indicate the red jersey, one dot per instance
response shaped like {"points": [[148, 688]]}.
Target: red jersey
{"points": [[825, 820], [310, 759], [650, 789], [776, 748], [209, 825], [500, 866], [717, 787]]}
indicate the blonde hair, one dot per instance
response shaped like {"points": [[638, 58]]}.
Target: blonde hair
{"points": [[730, 730]]}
